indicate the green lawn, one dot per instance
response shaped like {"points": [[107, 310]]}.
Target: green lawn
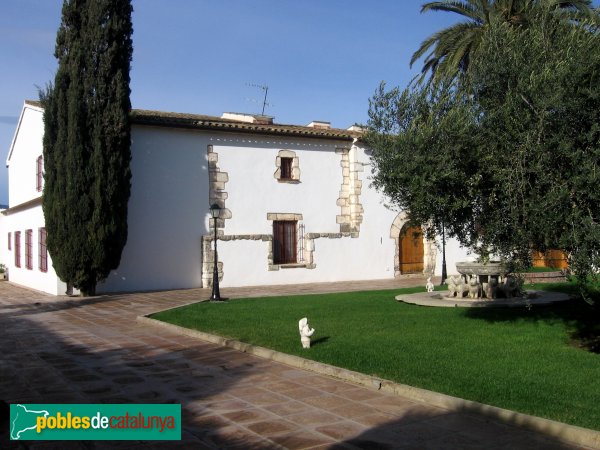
{"points": [[517, 359]]}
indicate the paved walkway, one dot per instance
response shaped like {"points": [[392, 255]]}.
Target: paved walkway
{"points": [[72, 350]]}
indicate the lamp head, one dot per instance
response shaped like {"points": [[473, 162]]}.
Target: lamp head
{"points": [[215, 210]]}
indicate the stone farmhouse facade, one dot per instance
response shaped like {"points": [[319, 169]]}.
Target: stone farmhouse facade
{"points": [[297, 207]]}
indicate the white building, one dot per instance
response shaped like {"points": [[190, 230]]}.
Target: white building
{"points": [[297, 207]]}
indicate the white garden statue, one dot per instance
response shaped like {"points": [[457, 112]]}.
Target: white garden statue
{"points": [[305, 332], [429, 286]]}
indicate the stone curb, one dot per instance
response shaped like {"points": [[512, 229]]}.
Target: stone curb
{"points": [[565, 432]]}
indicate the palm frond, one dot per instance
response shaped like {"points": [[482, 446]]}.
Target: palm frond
{"points": [[471, 9]]}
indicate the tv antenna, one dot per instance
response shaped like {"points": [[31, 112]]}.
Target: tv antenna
{"points": [[265, 88]]}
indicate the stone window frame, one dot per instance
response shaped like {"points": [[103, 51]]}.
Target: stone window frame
{"points": [[288, 217], [295, 169]]}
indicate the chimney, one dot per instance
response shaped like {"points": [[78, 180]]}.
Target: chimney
{"points": [[248, 118], [319, 124]]}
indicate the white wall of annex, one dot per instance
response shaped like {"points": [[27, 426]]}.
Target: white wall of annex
{"points": [[26, 148], [33, 278], [168, 211]]}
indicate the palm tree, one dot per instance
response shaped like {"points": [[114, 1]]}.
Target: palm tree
{"points": [[452, 47]]}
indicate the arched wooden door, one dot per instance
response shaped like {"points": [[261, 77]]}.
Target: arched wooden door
{"points": [[411, 250]]}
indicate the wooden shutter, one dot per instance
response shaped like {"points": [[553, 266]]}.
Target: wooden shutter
{"points": [[284, 241], [286, 168]]}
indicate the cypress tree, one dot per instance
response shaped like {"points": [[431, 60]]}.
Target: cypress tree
{"points": [[87, 141]]}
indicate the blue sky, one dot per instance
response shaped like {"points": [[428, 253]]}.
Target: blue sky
{"points": [[322, 59]]}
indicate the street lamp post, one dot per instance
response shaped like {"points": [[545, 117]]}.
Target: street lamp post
{"points": [[215, 211], [444, 272]]}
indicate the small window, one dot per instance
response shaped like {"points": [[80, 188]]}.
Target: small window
{"points": [[284, 241], [29, 249], [43, 251], [9, 240], [39, 184], [286, 168], [17, 249]]}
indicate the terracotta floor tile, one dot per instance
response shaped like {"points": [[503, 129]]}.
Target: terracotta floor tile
{"points": [[271, 427], [342, 430]]}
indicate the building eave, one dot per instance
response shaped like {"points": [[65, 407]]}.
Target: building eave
{"points": [[22, 206]]}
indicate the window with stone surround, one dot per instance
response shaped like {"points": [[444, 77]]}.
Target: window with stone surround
{"points": [[287, 167], [9, 240]]}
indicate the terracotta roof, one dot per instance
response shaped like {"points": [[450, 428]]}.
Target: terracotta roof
{"points": [[197, 121], [203, 122]]}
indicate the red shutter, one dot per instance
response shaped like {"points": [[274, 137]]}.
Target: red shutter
{"points": [[29, 249], [17, 249], [39, 174], [43, 251]]}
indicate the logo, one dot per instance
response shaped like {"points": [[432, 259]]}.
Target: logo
{"points": [[95, 422]]}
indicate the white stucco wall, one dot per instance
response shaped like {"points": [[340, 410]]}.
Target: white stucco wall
{"points": [[32, 219], [254, 192], [167, 212], [4, 230], [22, 170], [21, 161], [454, 254]]}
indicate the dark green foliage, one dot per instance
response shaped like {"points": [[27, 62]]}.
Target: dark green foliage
{"points": [[508, 156], [87, 141]]}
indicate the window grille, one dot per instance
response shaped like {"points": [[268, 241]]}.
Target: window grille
{"points": [[301, 242]]}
